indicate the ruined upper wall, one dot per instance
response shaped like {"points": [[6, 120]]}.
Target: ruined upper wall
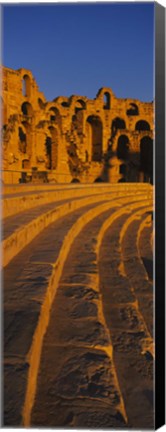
{"points": [[20, 86], [69, 135]]}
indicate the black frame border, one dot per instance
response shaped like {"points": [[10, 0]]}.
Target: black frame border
{"points": [[159, 153]]}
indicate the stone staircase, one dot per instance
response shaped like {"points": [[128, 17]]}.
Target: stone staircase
{"points": [[78, 306]]}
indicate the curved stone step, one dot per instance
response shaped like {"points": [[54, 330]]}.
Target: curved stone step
{"points": [[34, 284], [8, 190], [24, 197], [145, 246], [135, 270], [34, 291], [120, 228], [23, 235], [18, 202], [127, 328], [22, 229], [77, 344], [79, 281]]}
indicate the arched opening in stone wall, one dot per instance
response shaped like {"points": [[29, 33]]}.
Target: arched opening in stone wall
{"points": [[142, 125], [123, 147], [95, 137], [54, 114], [52, 149], [79, 105], [74, 119], [146, 158], [65, 104], [22, 140], [132, 110], [28, 134], [98, 180], [26, 164], [86, 156], [122, 180], [41, 104], [75, 180], [27, 109], [123, 169], [117, 124], [26, 86], [107, 100], [48, 152]]}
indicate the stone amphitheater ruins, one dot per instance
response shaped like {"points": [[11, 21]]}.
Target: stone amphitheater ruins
{"points": [[73, 138], [77, 240]]}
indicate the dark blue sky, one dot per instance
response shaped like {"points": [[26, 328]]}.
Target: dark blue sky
{"points": [[78, 48]]}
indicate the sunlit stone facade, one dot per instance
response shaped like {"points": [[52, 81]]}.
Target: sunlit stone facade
{"points": [[73, 138]]}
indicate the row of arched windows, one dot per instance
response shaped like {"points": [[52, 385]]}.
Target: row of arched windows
{"points": [[131, 111], [117, 123], [80, 104]]}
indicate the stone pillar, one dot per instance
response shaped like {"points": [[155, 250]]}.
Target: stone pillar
{"points": [[113, 171]]}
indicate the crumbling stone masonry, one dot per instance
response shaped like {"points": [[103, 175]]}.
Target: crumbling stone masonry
{"points": [[75, 138]]}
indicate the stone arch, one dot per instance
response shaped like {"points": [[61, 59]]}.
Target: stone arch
{"points": [[65, 104], [142, 125], [105, 94], [146, 158], [98, 180], [28, 133], [132, 110], [54, 107], [79, 105], [74, 118], [22, 143], [117, 123], [54, 114], [123, 147], [95, 137], [41, 104], [27, 109], [82, 103], [75, 180], [107, 100], [122, 180], [48, 151], [26, 86], [52, 148]]}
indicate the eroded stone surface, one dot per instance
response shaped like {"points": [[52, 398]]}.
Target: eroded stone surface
{"points": [[73, 138], [96, 352]]}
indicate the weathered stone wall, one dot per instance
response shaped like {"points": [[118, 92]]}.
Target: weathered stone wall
{"points": [[73, 138]]}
